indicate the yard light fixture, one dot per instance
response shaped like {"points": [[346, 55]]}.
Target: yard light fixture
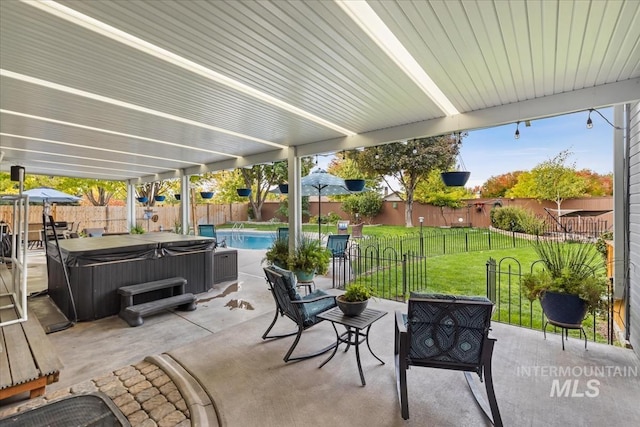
{"points": [[421, 220], [589, 122], [517, 134]]}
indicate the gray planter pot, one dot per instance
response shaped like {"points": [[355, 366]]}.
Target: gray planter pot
{"points": [[351, 309]]}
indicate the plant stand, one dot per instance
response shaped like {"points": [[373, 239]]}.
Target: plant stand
{"points": [[564, 311]]}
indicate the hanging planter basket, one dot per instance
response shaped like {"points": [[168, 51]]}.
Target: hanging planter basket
{"points": [[455, 179], [159, 198], [244, 192], [177, 196], [354, 184], [284, 188], [206, 194], [142, 199]]}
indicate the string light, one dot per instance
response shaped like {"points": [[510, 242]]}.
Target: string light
{"points": [[517, 134], [590, 122]]}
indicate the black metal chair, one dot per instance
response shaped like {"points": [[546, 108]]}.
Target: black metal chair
{"points": [[283, 233], [301, 310], [447, 332], [337, 244], [209, 230]]}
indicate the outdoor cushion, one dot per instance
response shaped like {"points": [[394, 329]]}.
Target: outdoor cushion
{"points": [[449, 297], [449, 335], [310, 310], [290, 281]]}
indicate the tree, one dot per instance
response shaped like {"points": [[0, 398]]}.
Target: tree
{"points": [[259, 178], [524, 188], [409, 163], [152, 189], [554, 181], [597, 185], [433, 191], [497, 186], [97, 192], [366, 205]]}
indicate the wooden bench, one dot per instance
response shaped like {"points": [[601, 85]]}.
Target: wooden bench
{"points": [[133, 312], [28, 361]]}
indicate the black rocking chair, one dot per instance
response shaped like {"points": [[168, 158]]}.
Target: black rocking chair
{"points": [[447, 332], [302, 310]]}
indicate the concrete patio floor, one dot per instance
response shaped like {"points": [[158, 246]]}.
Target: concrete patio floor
{"points": [[219, 345]]}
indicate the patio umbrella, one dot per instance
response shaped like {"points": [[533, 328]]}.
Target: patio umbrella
{"points": [[49, 195], [321, 183]]}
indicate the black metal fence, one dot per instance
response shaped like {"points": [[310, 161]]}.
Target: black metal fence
{"points": [[578, 228], [395, 266], [434, 242], [512, 307], [391, 273]]}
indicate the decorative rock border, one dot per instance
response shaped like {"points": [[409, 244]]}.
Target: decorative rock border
{"points": [[145, 394]]}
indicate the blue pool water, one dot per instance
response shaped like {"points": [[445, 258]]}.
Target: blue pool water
{"points": [[247, 239]]}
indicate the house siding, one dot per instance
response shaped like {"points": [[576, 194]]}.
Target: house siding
{"points": [[634, 227]]}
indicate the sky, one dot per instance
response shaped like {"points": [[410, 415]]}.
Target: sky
{"points": [[494, 151]]}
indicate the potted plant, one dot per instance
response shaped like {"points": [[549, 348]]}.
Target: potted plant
{"points": [[572, 284], [355, 299], [278, 253], [137, 229], [309, 258]]}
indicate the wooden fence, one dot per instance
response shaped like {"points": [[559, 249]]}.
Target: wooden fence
{"points": [[114, 218]]}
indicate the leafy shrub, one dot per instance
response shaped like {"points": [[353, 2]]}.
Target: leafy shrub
{"points": [[367, 205], [532, 224], [370, 204], [137, 229], [517, 219], [601, 243], [351, 205]]}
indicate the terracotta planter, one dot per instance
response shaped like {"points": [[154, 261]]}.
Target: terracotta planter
{"points": [[455, 179], [351, 309]]}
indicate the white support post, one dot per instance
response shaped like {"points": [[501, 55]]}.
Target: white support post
{"points": [[295, 200], [131, 205], [185, 202], [619, 209]]}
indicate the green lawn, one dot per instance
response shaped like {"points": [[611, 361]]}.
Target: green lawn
{"points": [[455, 265]]}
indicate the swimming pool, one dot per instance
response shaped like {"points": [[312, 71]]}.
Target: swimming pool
{"points": [[247, 239]]}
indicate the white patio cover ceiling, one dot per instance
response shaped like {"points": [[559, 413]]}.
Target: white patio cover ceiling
{"points": [[152, 89]]}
